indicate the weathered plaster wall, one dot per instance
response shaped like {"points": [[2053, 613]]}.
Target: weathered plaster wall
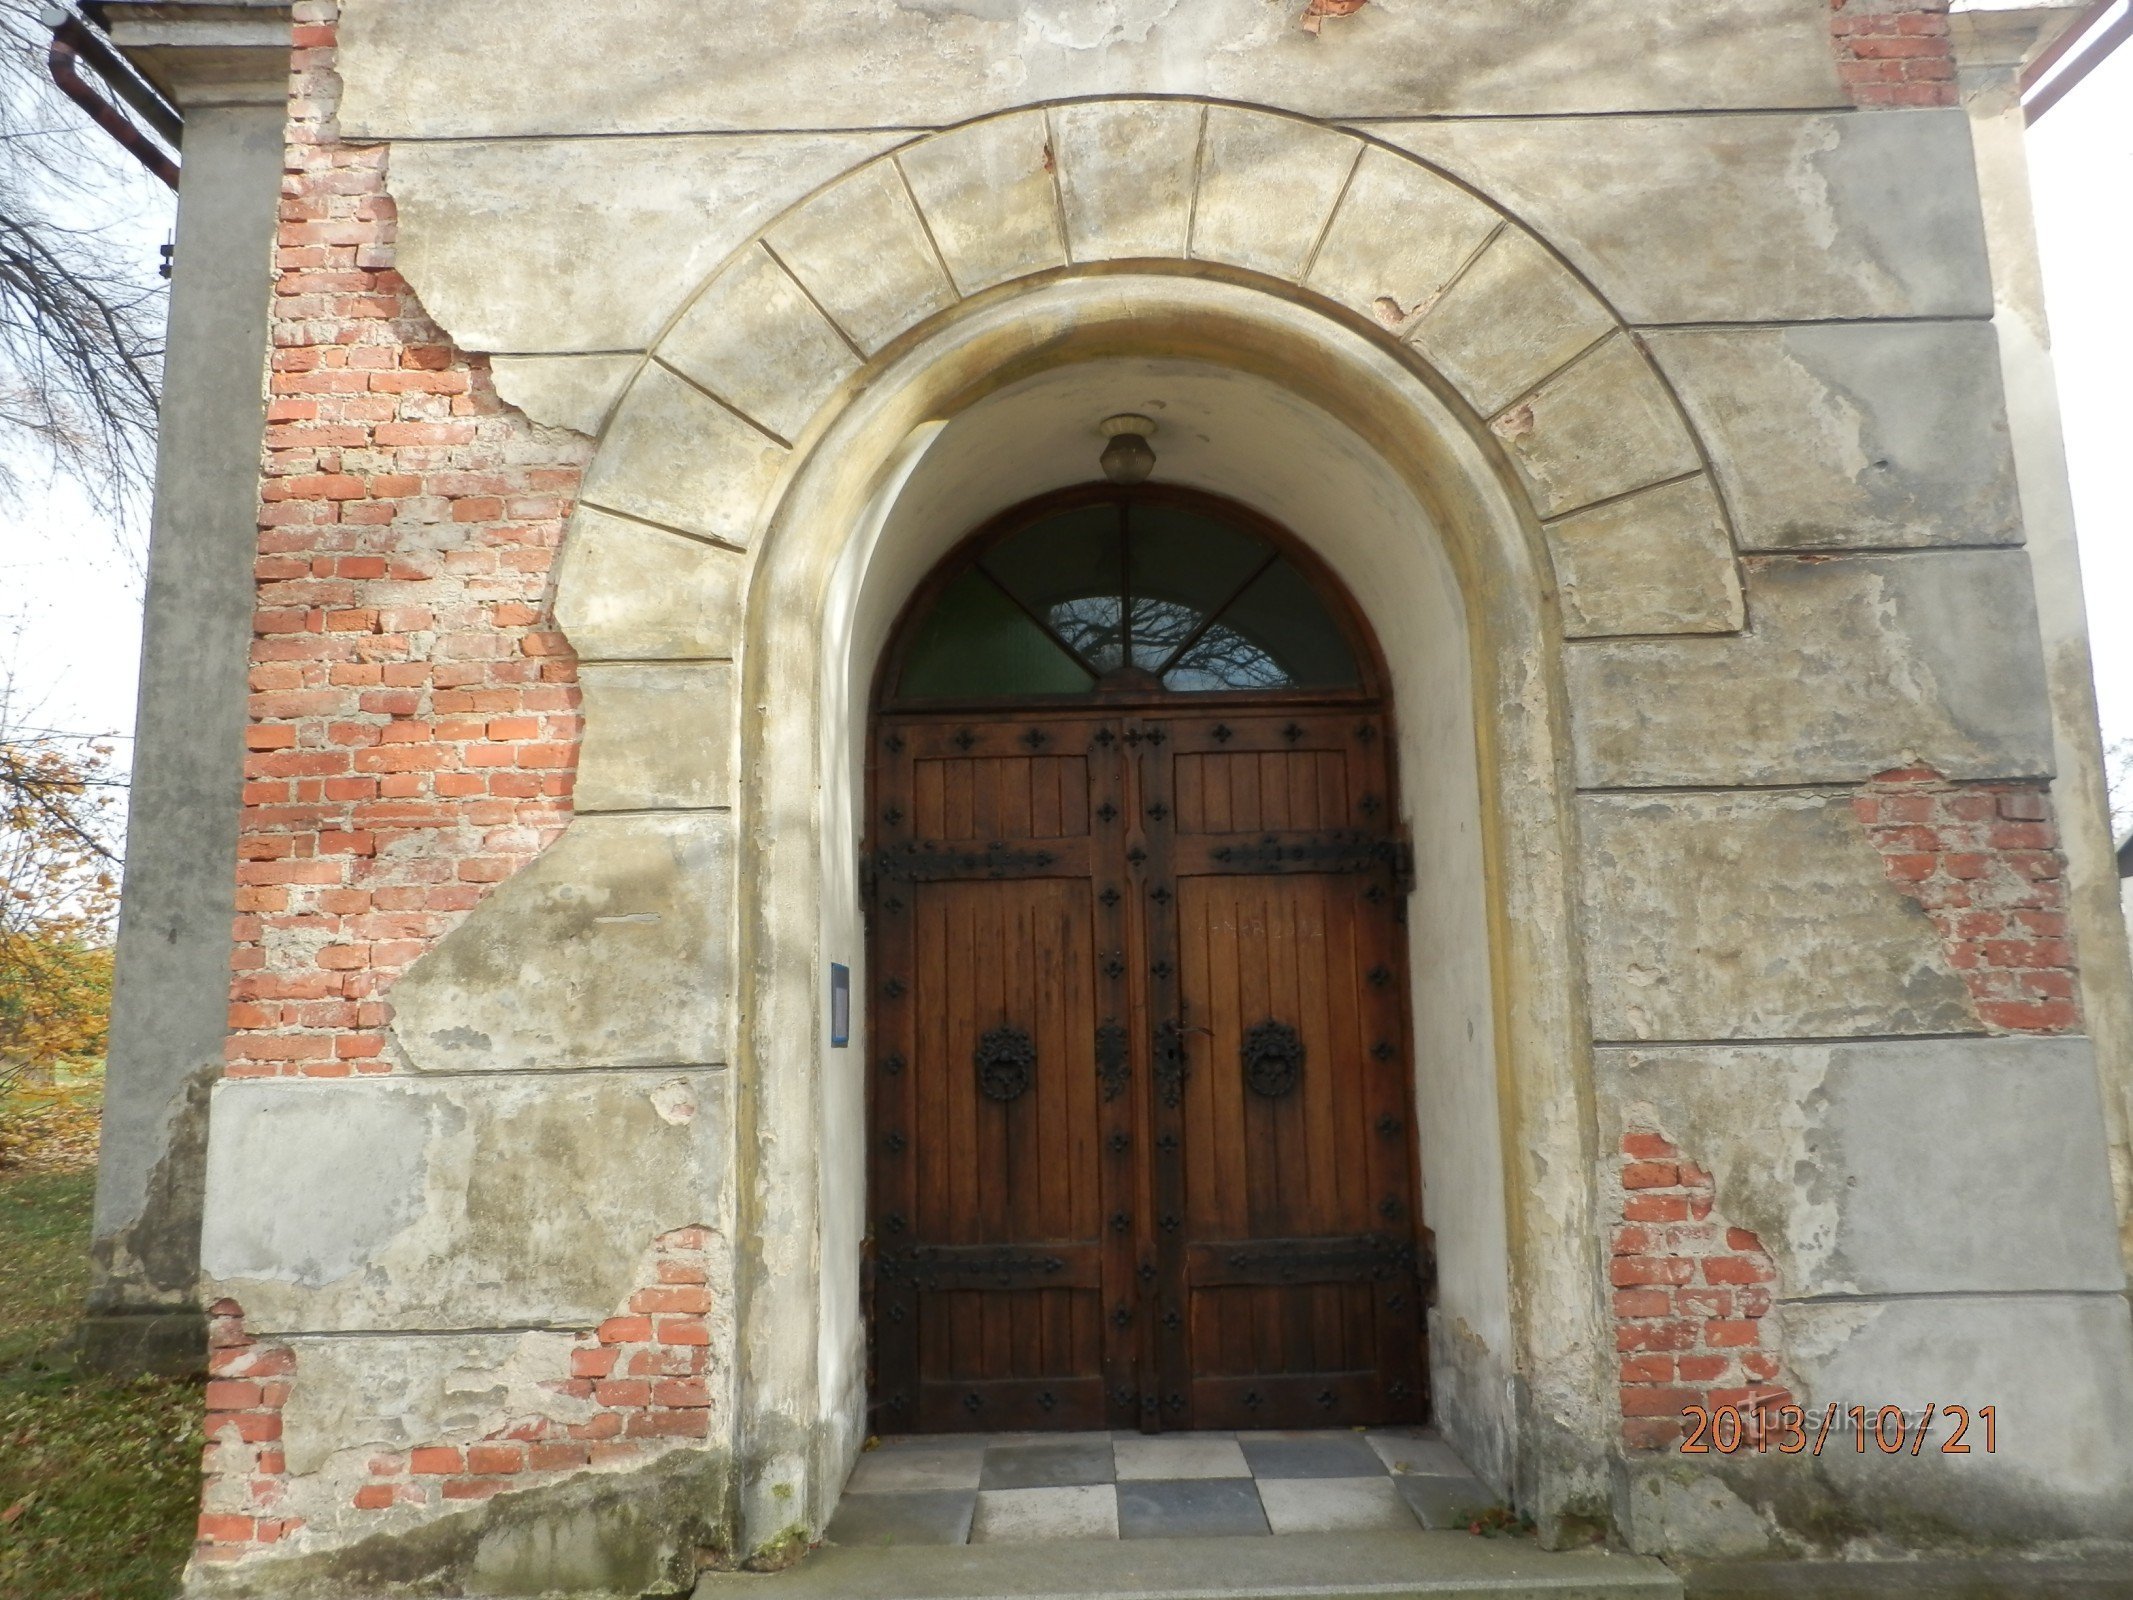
{"points": [[1612, 355], [1899, 1279], [442, 1237], [875, 64], [1996, 41], [506, 1415]]}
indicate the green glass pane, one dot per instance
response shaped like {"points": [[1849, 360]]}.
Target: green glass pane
{"points": [[1277, 635], [977, 642], [1183, 565], [1066, 569]]}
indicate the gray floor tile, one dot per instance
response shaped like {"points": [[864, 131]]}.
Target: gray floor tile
{"points": [[1046, 1466], [897, 1468], [1189, 1509], [1118, 1434], [1179, 1455], [1416, 1451], [1445, 1502], [1082, 1511], [1293, 1433], [1334, 1505], [939, 1516], [1322, 1455]]}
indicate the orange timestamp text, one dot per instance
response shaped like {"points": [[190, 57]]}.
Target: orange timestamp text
{"points": [[1788, 1430]]}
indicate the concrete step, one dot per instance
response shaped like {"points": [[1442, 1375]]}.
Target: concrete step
{"points": [[1296, 1566], [2097, 1576]]}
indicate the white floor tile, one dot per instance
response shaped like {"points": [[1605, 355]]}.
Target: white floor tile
{"points": [[1332, 1505], [1179, 1458], [915, 1466], [1084, 1511]]}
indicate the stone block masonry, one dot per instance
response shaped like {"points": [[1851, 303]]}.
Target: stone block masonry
{"points": [[637, 1385], [1691, 1297], [414, 712], [638, 1381], [1983, 859], [1893, 53]]}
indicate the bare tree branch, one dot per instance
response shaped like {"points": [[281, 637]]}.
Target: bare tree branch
{"points": [[80, 318]]}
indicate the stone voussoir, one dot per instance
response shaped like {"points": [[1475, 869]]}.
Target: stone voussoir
{"points": [[675, 456]]}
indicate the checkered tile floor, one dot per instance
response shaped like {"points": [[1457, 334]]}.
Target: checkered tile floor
{"points": [[996, 1488]]}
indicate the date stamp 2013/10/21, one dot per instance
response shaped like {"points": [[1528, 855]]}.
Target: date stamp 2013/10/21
{"points": [[1788, 1430]]}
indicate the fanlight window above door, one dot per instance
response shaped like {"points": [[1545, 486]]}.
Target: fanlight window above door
{"points": [[1125, 593]]}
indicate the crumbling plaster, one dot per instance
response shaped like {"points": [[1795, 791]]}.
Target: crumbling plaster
{"points": [[1814, 225], [1797, 1138], [896, 64], [429, 1205]]}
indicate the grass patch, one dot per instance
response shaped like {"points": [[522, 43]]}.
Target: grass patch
{"points": [[99, 1477]]}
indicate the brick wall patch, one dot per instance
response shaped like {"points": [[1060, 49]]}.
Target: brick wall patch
{"points": [[636, 1386], [1983, 859], [1893, 53], [1691, 1298], [244, 1478]]}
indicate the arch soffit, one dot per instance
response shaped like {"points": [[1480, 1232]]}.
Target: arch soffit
{"points": [[706, 432]]}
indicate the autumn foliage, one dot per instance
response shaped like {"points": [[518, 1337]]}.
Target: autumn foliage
{"points": [[58, 902]]}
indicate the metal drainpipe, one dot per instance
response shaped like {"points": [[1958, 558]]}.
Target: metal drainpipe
{"points": [[2094, 46], [74, 41]]}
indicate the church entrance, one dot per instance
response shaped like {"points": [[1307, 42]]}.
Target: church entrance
{"points": [[1141, 1098]]}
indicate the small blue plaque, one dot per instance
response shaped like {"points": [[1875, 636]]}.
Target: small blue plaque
{"points": [[840, 1005]]}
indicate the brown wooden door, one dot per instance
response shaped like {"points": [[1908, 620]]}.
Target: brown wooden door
{"points": [[1141, 1112]]}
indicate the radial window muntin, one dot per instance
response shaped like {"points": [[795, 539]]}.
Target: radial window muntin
{"points": [[1108, 593]]}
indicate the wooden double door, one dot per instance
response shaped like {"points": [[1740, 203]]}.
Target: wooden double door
{"points": [[1140, 1096]]}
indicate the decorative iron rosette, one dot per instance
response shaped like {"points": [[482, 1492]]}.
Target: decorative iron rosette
{"points": [[1007, 1063], [1273, 1059]]}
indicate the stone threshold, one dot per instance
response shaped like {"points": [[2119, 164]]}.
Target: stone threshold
{"points": [[1301, 1566]]}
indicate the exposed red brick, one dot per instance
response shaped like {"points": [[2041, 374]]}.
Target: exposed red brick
{"points": [[1983, 860], [245, 1475], [1315, 13], [414, 713], [630, 1417], [1893, 53], [1686, 1329], [243, 1471]]}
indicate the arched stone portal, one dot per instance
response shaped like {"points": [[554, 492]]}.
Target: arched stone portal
{"points": [[1332, 332], [1382, 531]]}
